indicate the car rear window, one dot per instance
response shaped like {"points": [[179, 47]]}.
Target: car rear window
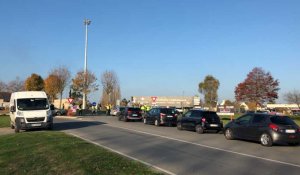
{"points": [[134, 109], [282, 120], [210, 115], [167, 111]]}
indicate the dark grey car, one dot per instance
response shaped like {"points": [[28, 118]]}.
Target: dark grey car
{"points": [[265, 128]]}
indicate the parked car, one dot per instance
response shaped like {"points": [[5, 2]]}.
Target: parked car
{"points": [[116, 111], [161, 116], [200, 121], [58, 112], [265, 128], [131, 113]]}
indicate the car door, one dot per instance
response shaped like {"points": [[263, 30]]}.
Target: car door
{"points": [[256, 126], [241, 126], [149, 115], [184, 120]]}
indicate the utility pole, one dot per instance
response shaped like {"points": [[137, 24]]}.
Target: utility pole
{"points": [[86, 23]]}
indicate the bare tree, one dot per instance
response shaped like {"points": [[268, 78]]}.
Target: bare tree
{"points": [[16, 85], [3, 86], [293, 97], [64, 76], [111, 87]]}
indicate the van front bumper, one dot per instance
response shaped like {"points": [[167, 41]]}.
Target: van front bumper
{"points": [[32, 125]]}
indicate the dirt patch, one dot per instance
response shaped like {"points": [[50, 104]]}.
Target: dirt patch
{"points": [[7, 130]]}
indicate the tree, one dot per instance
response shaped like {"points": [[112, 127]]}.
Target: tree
{"points": [[63, 75], [209, 88], [228, 103], [259, 87], [34, 83], [111, 87], [52, 86], [78, 85], [16, 85], [3, 86], [293, 97]]}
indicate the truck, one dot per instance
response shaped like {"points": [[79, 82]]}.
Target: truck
{"points": [[30, 110]]}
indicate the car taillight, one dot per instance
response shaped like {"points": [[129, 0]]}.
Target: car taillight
{"points": [[162, 115], [203, 120], [273, 127], [129, 112]]}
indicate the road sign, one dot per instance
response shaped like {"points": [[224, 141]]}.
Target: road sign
{"points": [[153, 99], [94, 103], [70, 100]]}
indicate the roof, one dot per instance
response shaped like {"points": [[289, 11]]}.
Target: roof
{"points": [[5, 96], [30, 94]]}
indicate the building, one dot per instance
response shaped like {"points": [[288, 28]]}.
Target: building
{"points": [[171, 101], [4, 99]]}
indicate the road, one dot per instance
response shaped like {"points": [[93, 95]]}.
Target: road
{"points": [[184, 152]]}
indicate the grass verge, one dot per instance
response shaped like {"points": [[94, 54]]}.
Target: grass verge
{"points": [[58, 153], [4, 121]]}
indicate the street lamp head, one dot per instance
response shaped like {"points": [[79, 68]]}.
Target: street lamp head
{"points": [[87, 22]]}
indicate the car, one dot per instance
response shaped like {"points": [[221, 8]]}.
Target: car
{"points": [[267, 129], [200, 121], [130, 113], [59, 112], [116, 111], [161, 116]]}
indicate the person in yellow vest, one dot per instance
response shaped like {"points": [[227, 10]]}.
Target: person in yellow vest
{"points": [[148, 108], [107, 110]]}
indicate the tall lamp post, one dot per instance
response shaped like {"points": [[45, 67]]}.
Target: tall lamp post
{"points": [[86, 23]]}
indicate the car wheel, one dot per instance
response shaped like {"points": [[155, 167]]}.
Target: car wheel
{"points": [[179, 127], [199, 129], [293, 144], [266, 140], [228, 134], [145, 121], [156, 122]]}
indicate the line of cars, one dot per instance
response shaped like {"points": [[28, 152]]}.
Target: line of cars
{"points": [[268, 129]]}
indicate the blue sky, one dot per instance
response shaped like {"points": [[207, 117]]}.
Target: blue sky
{"points": [[156, 47]]}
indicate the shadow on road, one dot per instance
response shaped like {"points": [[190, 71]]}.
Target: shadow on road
{"points": [[75, 125]]}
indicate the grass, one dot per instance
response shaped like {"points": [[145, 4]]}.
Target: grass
{"points": [[4, 121], [58, 153]]}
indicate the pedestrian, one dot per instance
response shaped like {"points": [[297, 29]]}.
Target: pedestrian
{"points": [[80, 110]]}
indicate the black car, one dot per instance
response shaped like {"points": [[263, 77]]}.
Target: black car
{"points": [[130, 113], [265, 128], [161, 116], [200, 121]]}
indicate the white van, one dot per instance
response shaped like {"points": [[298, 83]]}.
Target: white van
{"points": [[30, 109]]}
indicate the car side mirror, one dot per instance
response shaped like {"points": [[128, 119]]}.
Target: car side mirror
{"points": [[12, 109]]}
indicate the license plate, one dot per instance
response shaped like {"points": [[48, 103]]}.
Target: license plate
{"points": [[134, 115], [36, 124], [214, 125], [290, 131], [170, 116]]}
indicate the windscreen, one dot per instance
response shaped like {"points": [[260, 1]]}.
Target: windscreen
{"points": [[32, 104], [134, 109], [168, 111], [282, 120]]}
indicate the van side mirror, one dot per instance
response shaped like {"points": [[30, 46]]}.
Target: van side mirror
{"points": [[52, 107], [12, 109]]}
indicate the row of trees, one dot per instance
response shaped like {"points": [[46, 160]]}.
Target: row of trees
{"points": [[257, 89], [60, 78]]}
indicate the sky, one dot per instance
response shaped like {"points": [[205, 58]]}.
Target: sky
{"points": [[156, 47]]}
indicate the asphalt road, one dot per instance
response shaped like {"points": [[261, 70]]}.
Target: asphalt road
{"points": [[184, 152]]}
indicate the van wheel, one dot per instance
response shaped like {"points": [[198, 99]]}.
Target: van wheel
{"points": [[199, 129], [266, 140]]}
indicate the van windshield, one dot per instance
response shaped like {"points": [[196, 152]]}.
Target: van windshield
{"points": [[32, 104]]}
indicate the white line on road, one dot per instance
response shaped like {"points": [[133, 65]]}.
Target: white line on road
{"points": [[211, 147], [115, 151]]}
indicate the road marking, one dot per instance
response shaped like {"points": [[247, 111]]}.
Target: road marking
{"points": [[211, 147], [125, 155]]}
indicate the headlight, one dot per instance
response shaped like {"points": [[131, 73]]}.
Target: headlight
{"points": [[22, 120], [19, 113]]}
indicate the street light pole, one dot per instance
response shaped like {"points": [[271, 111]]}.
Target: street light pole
{"points": [[86, 23]]}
